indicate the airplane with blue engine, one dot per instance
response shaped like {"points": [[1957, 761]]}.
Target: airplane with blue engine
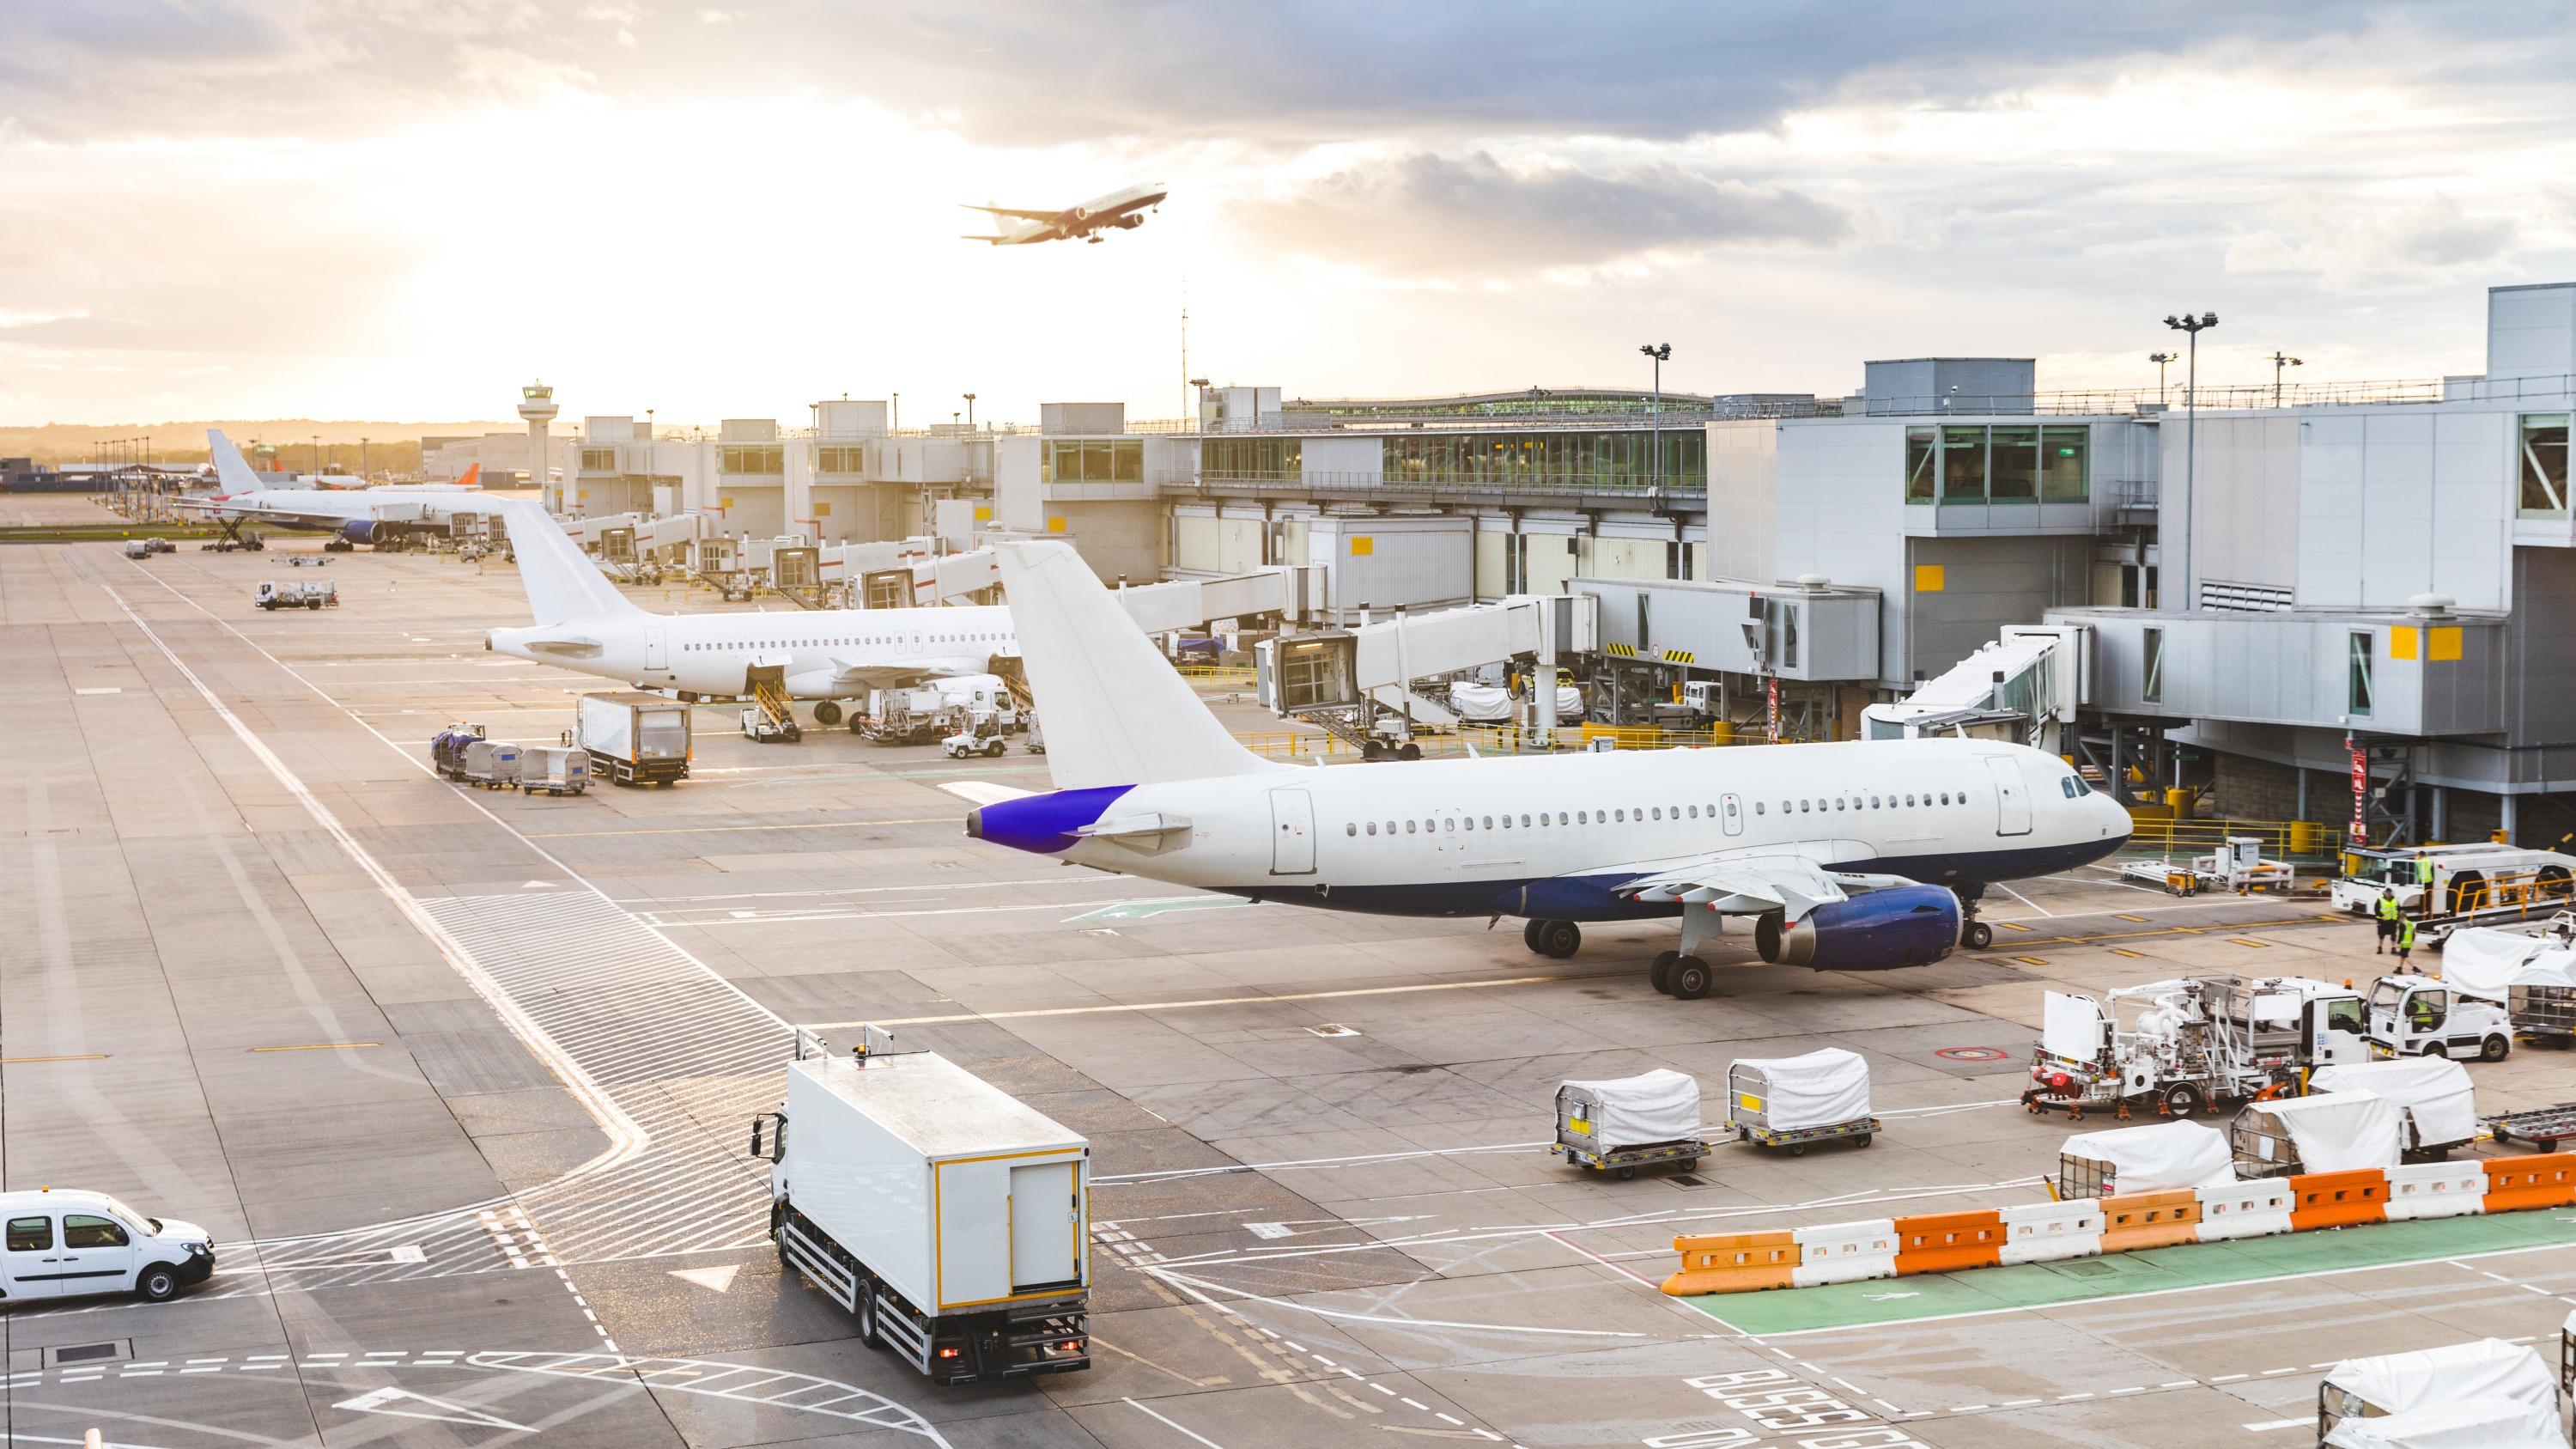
{"points": [[1839, 856]]}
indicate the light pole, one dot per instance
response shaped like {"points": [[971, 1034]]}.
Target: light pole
{"points": [[970, 412], [2191, 327], [2160, 359], [1660, 352], [894, 423], [2281, 360]]}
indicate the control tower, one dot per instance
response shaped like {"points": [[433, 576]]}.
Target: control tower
{"points": [[537, 405]]}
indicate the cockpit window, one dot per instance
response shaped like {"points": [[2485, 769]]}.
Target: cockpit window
{"points": [[2073, 786]]}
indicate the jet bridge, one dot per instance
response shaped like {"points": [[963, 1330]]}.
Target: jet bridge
{"points": [[2027, 687], [1357, 683]]}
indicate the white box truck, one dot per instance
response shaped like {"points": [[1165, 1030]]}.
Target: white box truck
{"points": [[634, 738], [949, 1218]]}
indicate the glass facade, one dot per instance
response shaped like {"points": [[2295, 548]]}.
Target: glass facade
{"points": [[1252, 460], [2544, 465], [1613, 461], [769, 459], [599, 460], [2003, 463], [841, 460], [1094, 460]]}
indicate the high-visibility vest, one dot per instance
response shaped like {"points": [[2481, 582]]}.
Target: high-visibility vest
{"points": [[2423, 870], [2405, 935], [2388, 908]]}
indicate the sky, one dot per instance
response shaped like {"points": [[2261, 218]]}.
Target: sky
{"points": [[406, 208]]}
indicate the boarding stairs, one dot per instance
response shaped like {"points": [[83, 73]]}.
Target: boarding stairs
{"points": [[772, 716]]}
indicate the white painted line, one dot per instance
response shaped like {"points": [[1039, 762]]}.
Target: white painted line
{"points": [[1212, 1000], [2268, 1425], [1192, 1436]]}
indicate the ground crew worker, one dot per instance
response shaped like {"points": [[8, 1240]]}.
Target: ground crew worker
{"points": [[2424, 883], [2405, 943], [2386, 909]]}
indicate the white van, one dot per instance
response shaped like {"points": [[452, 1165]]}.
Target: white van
{"points": [[68, 1244]]}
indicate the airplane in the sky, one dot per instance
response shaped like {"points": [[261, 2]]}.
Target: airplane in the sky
{"points": [[1118, 211], [359, 515], [584, 624], [1844, 857]]}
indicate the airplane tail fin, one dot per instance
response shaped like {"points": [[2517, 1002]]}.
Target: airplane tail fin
{"points": [[561, 581], [1114, 711], [232, 474], [473, 477]]}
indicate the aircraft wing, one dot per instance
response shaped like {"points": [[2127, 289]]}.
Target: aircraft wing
{"points": [[984, 792], [1751, 884], [888, 674], [1015, 212]]}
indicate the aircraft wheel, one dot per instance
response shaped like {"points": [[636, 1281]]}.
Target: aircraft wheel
{"points": [[828, 713], [1529, 936], [1977, 936], [1558, 940], [1661, 973], [1410, 751], [1690, 978]]}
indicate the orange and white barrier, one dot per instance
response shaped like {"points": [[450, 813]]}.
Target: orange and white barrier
{"points": [[1845, 1253], [2053, 1231]]}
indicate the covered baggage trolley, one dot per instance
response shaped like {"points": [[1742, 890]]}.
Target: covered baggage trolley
{"points": [[1625, 1123], [2161, 1157], [2336, 1132], [1792, 1102], [2487, 1392], [491, 764], [2439, 1103]]}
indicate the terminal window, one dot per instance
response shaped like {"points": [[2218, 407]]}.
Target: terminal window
{"points": [[2359, 687], [2544, 465], [599, 460], [2004, 463], [771, 459]]}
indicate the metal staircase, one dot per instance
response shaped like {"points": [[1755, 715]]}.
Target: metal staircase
{"points": [[772, 716]]}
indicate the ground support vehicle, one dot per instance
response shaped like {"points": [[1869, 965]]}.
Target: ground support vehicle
{"points": [[296, 595], [759, 726], [490, 765], [2238, 867], [137, 548], [634, 738], [2175, 1047], [2488, 1392], [1620, 1124], [447, 749], [2418, 1016], [1796, 1102], [554, 770], [950, 1219], [1035, 741], [67, 1244], [984, 739], [905, 717], [2532, 970], [2473, 883], [2545, 1128]]}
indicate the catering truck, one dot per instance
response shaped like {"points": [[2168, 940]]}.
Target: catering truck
{"points": [[949, 1218], [634, 738], [2175, 1047]]}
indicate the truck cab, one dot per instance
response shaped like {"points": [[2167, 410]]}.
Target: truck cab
{"points": [[2415, 1016], [66, 1244]]}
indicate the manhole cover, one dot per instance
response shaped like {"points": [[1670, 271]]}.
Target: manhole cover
{"points": [[1334, 1028], [1974, 1054]]}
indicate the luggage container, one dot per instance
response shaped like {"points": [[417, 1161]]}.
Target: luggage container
{"points": [[2440, 1103], [2159, 1157], [447, 749], [2532, 971], [2336, 1132], [949, 1218], [1624, 1123], [554, 770], [2490, 1393], [1795, 1102], [491, 765]]}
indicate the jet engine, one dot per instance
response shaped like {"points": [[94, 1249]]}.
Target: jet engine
{"points": [[1878, 931], [359, 530], [1131, 221]]}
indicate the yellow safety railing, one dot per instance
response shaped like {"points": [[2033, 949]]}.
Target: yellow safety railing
{"points": [[1293, 745], [2168, 836], [1238, 675]]}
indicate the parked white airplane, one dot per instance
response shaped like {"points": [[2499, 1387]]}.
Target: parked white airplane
{"points": [[360, 515], [1118, 211], [584, 624], [1846, 857]]}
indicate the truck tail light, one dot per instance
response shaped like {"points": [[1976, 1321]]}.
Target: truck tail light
{"points": [[948, 1353]]}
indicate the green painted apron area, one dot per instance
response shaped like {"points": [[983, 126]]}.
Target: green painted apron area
{"points": [[2155, 1270]]}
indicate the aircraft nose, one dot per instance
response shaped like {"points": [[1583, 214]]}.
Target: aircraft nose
{"points": [[2113, 816]]}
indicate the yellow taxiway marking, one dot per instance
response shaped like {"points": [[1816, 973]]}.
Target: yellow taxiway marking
{"points": [[1218, 1001], [2012, 925], [2132, 955], [2030, 960], [2246, 941], [2126, 917], [318, 1046], [30, 1061]]}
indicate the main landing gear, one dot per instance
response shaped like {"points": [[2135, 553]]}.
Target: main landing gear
{"points": [[1556, 940], [1684, 978], [827, 713]]}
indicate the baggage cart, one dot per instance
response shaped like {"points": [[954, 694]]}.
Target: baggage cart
{"points": [[1622, 1124], [447, 749], [554, 770], [1795, 1102], [2542, 1127], [491, 765]]}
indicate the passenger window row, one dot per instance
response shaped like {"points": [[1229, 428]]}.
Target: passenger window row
{"points": [[1452, 824], [840, 640]]}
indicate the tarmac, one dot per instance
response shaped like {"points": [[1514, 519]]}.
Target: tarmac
{"points": [[461, 1080]]}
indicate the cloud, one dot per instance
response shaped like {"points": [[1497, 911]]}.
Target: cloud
{"points": [[2377, 249], [1427, 213]]}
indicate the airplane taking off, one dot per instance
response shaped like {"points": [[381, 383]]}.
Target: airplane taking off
{"points": [[359, 515], [1118, 211], [1846, 857], [584, 624]]}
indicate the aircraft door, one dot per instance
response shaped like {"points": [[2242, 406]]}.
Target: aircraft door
{"points": [[1731, 810], [655, 651], [2012, 796], [1292, 832]]}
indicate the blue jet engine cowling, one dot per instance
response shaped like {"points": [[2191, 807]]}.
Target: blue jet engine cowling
{"points": [[1879, 931], [359, 530]]}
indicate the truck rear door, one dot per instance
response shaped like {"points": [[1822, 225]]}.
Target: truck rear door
{"points": [[1046, 1220]]}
